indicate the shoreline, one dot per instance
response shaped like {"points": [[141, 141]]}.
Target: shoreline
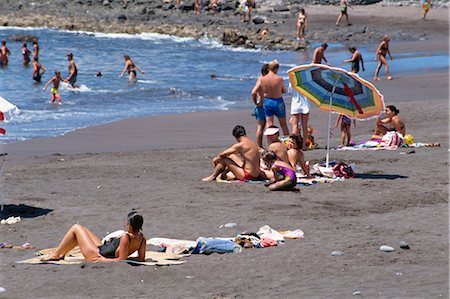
{"points": [[370, 23]]}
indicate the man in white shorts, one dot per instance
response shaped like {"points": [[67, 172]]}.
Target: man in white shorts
{"points": [[299, 112]]}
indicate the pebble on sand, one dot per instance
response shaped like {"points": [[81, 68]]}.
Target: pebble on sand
{"points": [[403, 245], [386, 248]]}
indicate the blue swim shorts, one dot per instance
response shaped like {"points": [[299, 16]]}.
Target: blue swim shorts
{"points": [[259, 113], [274, 107]]}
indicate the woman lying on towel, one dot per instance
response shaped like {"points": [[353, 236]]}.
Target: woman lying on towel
{"points": [[94, 251], [392, 119]]}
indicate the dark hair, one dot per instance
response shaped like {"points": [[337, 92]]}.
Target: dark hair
{"points": [[298, 140], [239, 131], [57, 72], [135, 220], [35, 59], [324, 45], [352, 49], [70, 54], [302, 10], [393, 109], [3, 42], [265, 69], [24, 44], [269, 158]]}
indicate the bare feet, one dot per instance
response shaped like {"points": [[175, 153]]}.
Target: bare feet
{"points": [[52, 258], [376, 79], [389, 78], [208, 179]]}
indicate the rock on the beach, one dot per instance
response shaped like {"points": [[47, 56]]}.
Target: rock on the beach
{"points": [[22, 38], [259, 20], [121, 18], [229, 37], [280, 8], [403, 245], [186, 7], [386, 248]]}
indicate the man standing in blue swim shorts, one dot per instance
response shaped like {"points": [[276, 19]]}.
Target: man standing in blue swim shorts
{"points": [[258, 100], [273, 87]]}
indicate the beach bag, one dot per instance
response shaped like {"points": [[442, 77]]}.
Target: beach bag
{"points": [[343, 170], [391, 139]]}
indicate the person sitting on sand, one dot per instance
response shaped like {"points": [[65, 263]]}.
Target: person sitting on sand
{"points": [[310, 143], [130, 67], [94, 251], [296, 155], [275, 144], [284, 178], [392, 119], [259, 106], [319, 54], [55, 93], [355, 60], [228, 160], [381, 52], [38, 70]]}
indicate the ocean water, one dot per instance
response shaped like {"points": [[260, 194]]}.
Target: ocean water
{"points": [[177, 77]]}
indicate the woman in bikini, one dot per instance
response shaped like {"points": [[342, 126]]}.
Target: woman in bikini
{"points": [[392, 119], [130, 67], [94, 251], [302, 22], [284, 176], [382, 50], [295, 154]]}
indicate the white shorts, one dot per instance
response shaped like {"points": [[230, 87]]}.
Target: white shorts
{"points": [[299, 104]]}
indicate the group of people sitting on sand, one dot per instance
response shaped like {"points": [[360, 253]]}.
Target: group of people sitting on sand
{"points": [[246, 160]]}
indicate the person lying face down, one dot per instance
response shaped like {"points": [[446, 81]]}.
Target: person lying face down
{"points": [[94, 251]]}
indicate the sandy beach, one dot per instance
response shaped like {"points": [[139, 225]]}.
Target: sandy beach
{"points": [[94, 176]]}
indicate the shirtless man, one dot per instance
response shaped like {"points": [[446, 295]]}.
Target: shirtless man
{"points": [[272, 87], [259, 106], [275, 144], [73, 71], [248, 151], [37, 67], [319, 54]]}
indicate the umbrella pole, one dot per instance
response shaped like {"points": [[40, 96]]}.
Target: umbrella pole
{"points": [[329, 123]]}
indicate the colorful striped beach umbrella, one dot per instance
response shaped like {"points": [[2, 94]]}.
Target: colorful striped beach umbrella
{"points": [[337, 91], [347, 92]]}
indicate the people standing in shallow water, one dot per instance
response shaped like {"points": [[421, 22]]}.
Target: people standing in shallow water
{"points": [[355, 60], [73, 71], [4, 53], [130, 67], [54, 91], [381, 52], [302, 23], [35, 49], [26, 54], [393, 120], [344, 6], [38, 70], [319, 54], [94, 250]]}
